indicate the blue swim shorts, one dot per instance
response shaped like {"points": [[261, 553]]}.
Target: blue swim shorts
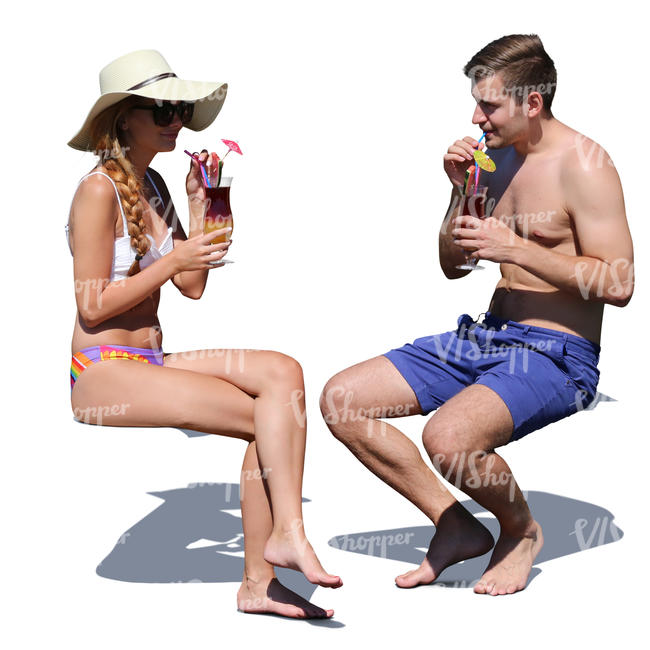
{"points": [[542, 375]]}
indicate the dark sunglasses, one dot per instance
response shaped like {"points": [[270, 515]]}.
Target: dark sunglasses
{"points": [[163, 114]]}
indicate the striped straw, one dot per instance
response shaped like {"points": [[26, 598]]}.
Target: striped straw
{"points": [[205, 176], [477, 171]]}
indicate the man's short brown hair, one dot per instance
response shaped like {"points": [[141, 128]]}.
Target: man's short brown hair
{"points": [[523, 65]]}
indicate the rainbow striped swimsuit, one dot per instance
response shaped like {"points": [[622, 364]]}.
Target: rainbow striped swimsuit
{"points": [[86, 357]]}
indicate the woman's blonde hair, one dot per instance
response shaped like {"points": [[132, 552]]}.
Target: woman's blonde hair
{"points": [[106, 143]]}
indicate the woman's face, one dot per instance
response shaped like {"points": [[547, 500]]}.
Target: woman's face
{"points": [[141, 132]]}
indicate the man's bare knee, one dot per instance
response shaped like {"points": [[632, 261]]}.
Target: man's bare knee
{"points": [[337, 403], [441, 441]]}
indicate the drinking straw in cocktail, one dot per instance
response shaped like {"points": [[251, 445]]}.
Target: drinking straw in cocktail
{"points": [[476, 171], [478, 175], [467, 173], [205, 176], [220, 165]]}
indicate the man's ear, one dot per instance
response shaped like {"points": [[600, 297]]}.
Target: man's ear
{"points": [[535, 103]]}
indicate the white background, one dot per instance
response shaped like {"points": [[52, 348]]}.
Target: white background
{"points": [[343, 111]]}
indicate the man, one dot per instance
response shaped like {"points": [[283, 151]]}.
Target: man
{"points": [[558, 229]]}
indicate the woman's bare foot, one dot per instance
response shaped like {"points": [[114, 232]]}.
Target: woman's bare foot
{"points": [[511, 562], [272, 597], [292, 550], [455, 539]]}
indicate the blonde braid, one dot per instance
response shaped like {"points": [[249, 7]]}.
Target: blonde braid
{"points": [[119, 168]]}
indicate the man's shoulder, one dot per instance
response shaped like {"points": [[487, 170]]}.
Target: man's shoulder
{"points": [[586, 172], [582, 155]]}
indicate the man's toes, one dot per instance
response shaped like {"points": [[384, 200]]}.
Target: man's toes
{"points": [[511, 589], [404, 578]]}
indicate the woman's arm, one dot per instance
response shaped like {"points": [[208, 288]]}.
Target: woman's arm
{"points": [[190, 283], [93, 235]]}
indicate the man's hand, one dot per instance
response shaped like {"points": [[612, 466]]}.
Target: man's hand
{"points": [[488, 239], [458, 159]]}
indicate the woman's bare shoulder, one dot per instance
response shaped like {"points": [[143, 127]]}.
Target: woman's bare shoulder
{"points": [[94, 196], [95, 186]]}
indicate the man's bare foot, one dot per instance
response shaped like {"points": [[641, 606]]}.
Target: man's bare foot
{"points": [[292, 550], [455, 539], [272, 597], [511, 562]]}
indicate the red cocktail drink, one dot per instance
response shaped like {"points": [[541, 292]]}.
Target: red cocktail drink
{"points": [[473, 204], [219, 214]]}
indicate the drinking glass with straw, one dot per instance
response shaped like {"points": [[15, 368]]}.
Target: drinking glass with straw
{"points": [[473, 202], [217, 192]]}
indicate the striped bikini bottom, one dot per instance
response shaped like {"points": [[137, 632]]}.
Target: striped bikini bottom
{"points": [[86, 357]]}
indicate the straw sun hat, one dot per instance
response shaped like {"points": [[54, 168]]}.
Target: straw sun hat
{"points": [[146, 73]]}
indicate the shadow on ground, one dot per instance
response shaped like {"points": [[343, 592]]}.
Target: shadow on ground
{"points": [[192, 537], [569, 526]]}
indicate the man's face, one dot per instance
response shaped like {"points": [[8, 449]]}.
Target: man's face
{"points": [[497, 113]]}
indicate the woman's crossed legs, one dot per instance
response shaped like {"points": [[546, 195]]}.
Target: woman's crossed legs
{"points": [[256, 395]]}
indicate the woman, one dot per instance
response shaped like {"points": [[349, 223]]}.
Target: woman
{"points": [[126, 241]]}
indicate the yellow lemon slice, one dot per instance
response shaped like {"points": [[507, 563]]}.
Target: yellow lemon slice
{"points": [[484, 161]]}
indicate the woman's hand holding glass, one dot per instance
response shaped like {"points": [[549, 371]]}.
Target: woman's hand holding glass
{"points": [[198, 254]]}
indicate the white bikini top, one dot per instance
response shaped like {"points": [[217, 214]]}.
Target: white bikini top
{"points": [[123, 253]]}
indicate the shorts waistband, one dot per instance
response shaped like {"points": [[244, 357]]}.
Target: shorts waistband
{"points": [[494, 322]]}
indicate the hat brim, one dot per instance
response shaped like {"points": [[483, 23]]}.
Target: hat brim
{"points": [[207, 95]]}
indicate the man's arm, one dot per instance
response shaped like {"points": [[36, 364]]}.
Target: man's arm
{"points": [[450, 254], [605, 269]]}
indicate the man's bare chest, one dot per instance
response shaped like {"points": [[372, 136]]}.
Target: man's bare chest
{"points": [[530, 200]]}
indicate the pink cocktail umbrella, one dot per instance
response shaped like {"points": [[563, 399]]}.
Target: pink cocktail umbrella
{"points": [[232, 146]]}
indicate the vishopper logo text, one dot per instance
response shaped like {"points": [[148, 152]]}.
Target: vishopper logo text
{"points": [[473, 470], [596, 532], [335, 405], [375, 545], [95, 414], [522, 220], [110, 154], [519, 93], [232, 357], [453, 349], [614, 279]]}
